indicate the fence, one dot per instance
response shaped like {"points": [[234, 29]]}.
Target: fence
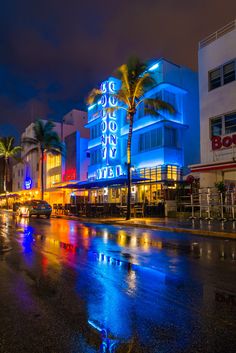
{"points": [[210, 204]]}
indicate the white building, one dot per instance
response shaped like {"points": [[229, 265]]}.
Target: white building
{"points": [[217, 87]]}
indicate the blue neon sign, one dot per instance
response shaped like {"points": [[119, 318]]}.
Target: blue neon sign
{"points": [[28, 183]]}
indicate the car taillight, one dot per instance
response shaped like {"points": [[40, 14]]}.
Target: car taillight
{"points": [[34, 207]]}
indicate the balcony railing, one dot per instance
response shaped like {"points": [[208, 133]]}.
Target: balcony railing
{"points": [[221, 32]]}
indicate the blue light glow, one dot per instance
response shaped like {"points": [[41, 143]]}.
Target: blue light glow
{"points": [[91, 107], [28, 183], [154, 67], [91, 323]]}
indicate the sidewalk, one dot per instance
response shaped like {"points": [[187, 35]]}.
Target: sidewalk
{"points": [[197, 227], [205, 228]]}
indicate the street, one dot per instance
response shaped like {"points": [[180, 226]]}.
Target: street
{"points": [[154, 291]]}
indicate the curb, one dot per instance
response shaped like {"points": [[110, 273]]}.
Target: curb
{"points": [[199, 232]]}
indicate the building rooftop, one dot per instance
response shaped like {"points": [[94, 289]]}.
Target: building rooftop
{"points": [[221, 32]]}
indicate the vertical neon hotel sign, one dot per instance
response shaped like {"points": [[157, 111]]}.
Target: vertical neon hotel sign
{"points": [[109, 128]]}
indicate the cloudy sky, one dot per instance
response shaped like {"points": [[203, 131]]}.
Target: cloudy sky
{"points": [[52, 52]]}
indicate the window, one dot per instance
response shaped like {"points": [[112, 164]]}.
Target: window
{"points": [[170, 137], [154, 174], [150, 139], [230, 123], [214, 79], [222, 75], [169, 97], [172, 172], [223, 125], [216, 126], [53, 161], [53, 179], [95, 157], [95, 131], [229, 72]]}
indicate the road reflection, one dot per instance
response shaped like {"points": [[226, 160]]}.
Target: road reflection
{"points": [[149, 288]]}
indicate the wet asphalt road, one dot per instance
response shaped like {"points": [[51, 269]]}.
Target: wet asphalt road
{"points": [[154, 291]]}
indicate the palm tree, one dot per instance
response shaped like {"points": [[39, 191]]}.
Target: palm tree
{"points": [[135, 80], [8, 151], [45, 140]]}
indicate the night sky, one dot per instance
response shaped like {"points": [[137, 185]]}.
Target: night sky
{"points": [[53, 52]]}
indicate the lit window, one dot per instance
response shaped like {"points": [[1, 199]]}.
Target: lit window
{"points": [[53, 179], [172, 172], [53, 161]]}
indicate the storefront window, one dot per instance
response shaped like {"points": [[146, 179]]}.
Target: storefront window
{"points": [[172, 172]]}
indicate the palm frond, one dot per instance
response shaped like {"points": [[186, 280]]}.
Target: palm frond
{"points": [[49, 126], [122, 74], [7, 148], [56, 149], [94, 96], [135, 68], [144, 83], [152, 112], [38, 130], [123, 96], [158, 104], [15, 150]]}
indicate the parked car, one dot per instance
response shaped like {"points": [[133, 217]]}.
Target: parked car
{"points": [[34, 208]]}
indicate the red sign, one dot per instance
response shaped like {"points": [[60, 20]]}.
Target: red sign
{"points": [[218, 142], [70, 174]]}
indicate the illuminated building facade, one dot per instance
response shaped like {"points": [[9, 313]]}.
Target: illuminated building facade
{"points": [[58, 169], [162, 147], [217, 87]]}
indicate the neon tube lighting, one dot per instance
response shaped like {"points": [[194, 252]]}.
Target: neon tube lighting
{"points": [[154, 67], [91, 106]]}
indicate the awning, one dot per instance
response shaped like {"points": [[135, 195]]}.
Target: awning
{"points": [[9, 195], [102, 183], [213, 166]]}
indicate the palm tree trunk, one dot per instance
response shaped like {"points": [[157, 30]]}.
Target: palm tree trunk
{"points": [[129, 174], [5, 181], [42, 173]]}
